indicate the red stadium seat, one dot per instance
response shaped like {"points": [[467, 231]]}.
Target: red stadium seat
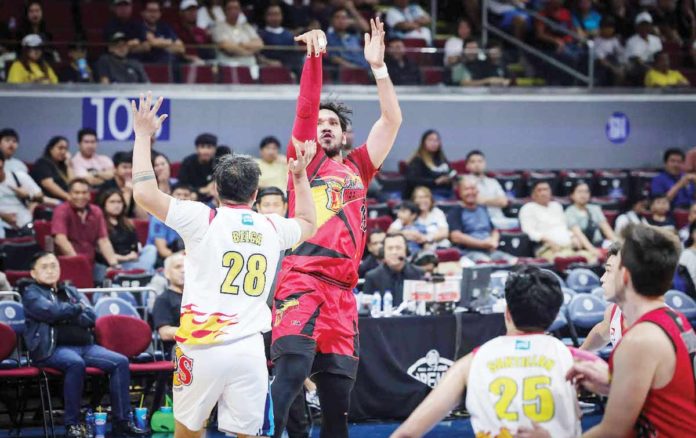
{"points": [[448, 255], [77, 269], [95, 15], [275, 75], [681, 217], [611, 216], [42, 229], [235, 75], [690, 75], [403, 165], [561, 264], [353, 76], [141, 228], [459, 166], [432, 75], [14, 276], [175, 166], [198, 74], [381, 222], [158, 73]]}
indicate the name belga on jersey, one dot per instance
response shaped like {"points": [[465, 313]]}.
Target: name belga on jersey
{"points": [[246, 236]]}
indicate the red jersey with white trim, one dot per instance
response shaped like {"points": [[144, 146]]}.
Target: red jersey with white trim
{"points": [[669, 411], [616, 325], [339, 191]]}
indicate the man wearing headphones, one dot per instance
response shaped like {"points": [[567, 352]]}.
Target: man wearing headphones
{"points": [[395, 268]]}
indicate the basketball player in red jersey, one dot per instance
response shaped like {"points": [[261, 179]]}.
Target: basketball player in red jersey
{"points": [[650, 376], [315, 326]]}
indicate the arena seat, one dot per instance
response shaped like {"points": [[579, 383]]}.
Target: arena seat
{"points": [[381, 222], [379, 209], [681, 302], [353, 76], [612, 183], [584, 312], [77, 269], [174, 168], [513, 183], [572, 177], [561, 264], [558, 277], [12, 314], [559, 323], [42, 230], [568, 295], [681, 218], [275, 75], [582, 280], [611, 216], [640, 183], [16, 255], [108, 305], [14, 276], [598, 292], [95, 16], [549, 177], [158, 73], [198, 74], [517, 244], [235, 75], [448, 255], [432, 75], [142, 227], [459, 166]]}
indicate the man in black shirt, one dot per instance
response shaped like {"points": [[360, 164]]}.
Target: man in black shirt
{"points": [[401, 69], [373, 255], [165, 314], [115, 67], [197, 169], [122, 22], [390, 275], [59, 335]]}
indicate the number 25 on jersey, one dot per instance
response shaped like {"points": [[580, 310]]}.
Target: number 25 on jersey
{"points": [[537, 399], [255, 278]]}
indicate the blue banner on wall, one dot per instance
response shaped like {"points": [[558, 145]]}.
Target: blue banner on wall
{"points": [[618, 128], [112, 119]]}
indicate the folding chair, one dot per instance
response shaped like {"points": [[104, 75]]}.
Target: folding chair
{"points": [[582, 280]]}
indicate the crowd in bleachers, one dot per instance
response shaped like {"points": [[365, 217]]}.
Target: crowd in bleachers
{"points": [[646, 42]]}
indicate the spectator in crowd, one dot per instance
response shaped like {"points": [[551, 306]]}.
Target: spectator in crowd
{"points": [[122, 22], [79, 228], [33, 22], [496, 60], [641, 48], [556, 43], [633, 216], [659, 213], [347, 46], [684, 231], [686, 25], [272, 200], [471, 229], [672, 182], [402, 70], [390, 275], [31, 67], [409, 21], [123, 181], [59, 335], [375, 251], [163, 171], [431, 218], [238, 43], [544, 222], [166, 240], [666, 22], [510, 18], [273, 165], [586, 19], [609, 53], [661, 75], [19, 194], [689, 161], [114, 67], [9, 142], [78, 69], [122, 234], [191, 35], [197, 169], [53, 170], [687, 258], [167, 308], [164, 45], [490, 192], [406, 225], [454, 46], [274, 34], [429, 167], [211, 13], [87, 163], [586, 221], [621, 11], [476, 72]]}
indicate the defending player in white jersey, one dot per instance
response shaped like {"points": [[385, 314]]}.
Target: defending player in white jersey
{"points": [[513, 380], [611, 328], [231, 255]]}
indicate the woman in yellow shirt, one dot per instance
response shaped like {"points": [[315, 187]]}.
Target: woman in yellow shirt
{"points": [[661, 75], [31, 68]]}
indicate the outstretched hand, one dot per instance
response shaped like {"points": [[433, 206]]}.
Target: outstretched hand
{"points": [[315, 40], [145, 120], [305, 154], [374, 44]]}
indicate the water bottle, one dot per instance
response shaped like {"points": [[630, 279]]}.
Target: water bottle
{"points": [[82, 68], [359, 300], [376, 308], [388, 303], [89, 423]]}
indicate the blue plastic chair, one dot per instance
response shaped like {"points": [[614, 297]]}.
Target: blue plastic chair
{"points": [[560, 280], [582, 280], [125, 296], [114, 306], [585, 311], [560, 322], [599, 293], [568, 295], [12, 314], [682, 303]]}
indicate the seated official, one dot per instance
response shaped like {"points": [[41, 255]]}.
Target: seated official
{"points": [[374, 254], [390, 275], [167, 309], [59, 335]]}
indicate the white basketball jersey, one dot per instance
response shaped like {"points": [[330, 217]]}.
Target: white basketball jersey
{"points": [[231, 258], [517, 380], [615, 325]]}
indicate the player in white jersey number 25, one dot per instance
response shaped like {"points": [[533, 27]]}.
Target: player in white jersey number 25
{"points": [[231, 258], [512, 381]]}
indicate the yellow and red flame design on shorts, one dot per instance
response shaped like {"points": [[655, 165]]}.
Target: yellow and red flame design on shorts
{"points": [[504, 433], [202, 328]]}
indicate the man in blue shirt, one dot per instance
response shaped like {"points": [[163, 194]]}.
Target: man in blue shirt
{"points": [[676, 185], [121, 21], [164, 44], [274, 34], [338, 36], [471, 228], [166, 240]]}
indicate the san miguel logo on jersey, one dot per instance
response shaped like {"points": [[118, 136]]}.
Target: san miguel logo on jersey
{"points": [[183, 368], [430, 369], [343, 191], [284, 307]]}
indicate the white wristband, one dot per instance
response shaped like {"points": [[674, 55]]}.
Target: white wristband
{"points": [[380, 73]]}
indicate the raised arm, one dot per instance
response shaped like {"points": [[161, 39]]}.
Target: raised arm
{"points": [[145, 190], [383, 132], [305, 213]]}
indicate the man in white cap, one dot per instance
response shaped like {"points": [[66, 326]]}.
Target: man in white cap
{"points": [[642, 47], [192, 35]]}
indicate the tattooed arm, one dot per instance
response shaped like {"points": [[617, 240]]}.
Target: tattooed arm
{"points": [[145, 190]]}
